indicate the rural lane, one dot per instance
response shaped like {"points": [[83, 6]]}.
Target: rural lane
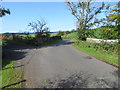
{"points": [[61, 66]]}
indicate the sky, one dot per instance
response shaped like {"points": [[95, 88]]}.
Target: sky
{"points": [[57, 0], [56, 14]]}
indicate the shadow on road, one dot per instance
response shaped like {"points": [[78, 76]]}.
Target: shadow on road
{"points": [[15, 51], [80, 80]]}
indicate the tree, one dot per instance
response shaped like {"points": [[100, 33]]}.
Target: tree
{"points": [[61, 33], [4, 11], [85, 14], [112, 23], [40, 28], [67, 32], [73, 30], [114, 14]]}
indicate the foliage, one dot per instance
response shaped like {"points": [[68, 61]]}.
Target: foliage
{"points": [[114, 14], [109, 32], [4, 42], [41, 31], [84, 12], [32, 40], [4, 11], [73, 30], [104, 32], [103, 47], [7, 36], [40, 28]]}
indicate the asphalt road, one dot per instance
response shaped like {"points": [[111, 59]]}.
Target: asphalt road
{"points": [[62, 66]]}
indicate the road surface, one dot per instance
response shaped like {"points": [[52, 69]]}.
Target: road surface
{"points": [[62, 66]]}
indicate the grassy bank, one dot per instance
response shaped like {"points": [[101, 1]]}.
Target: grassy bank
{"points": [[100, 54], [10, 76], [109, 56]]}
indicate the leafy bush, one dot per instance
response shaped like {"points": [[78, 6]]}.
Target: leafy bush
{"points": [[103, 47], [40, 28], [7, 36], [110, 32], [73, 30], [105, 32], [83, 34]]}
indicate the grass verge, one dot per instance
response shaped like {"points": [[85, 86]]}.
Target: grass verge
{"points": [[111, 59], [10, 76], [99, 54]]}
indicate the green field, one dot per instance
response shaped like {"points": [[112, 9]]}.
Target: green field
{"points": [[53, 34], [109, 57]]}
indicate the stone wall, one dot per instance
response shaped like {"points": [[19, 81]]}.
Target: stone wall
{"points": [[93, 40]]}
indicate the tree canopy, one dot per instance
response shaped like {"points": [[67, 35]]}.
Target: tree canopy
{"points": [[85, 13], [40, 28], [4, 11]]}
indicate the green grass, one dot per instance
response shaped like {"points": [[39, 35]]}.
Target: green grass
{"points": [[70, 36], [111, 59], [100, 54], [10, 75], [0, 42]]}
